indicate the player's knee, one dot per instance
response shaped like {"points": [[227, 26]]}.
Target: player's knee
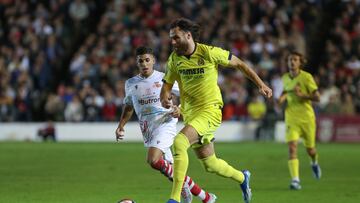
{"points": [[292, 149], [210, 165], [152, 160], [208, 168], [180, 144], [311, 151]]}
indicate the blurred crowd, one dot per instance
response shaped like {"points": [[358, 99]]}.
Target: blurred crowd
{"points": [[35, 38]]}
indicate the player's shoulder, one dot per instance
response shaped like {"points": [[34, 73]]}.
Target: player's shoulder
{"points": [[305, 73], [205, 46], [173, 56], [158, 74], [205, 49], [133, 80], [285, 76]]}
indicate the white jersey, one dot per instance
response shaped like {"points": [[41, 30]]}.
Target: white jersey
{"points": [[144, 95]]}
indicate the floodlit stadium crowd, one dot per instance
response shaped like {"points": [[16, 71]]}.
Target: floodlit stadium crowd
{"points": [[68, 60]]}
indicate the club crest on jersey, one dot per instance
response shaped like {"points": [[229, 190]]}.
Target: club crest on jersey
{"points": [[157, 84], [201, 62]]}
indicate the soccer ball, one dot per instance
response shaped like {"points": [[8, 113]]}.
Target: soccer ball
{"points": [[126, 201]]}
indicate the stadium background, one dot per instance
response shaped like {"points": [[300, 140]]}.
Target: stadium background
{"points": [[67, 61]]}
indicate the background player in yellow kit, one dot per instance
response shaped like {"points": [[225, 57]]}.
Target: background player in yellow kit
{"points": [[195, 67], [300, 90]]}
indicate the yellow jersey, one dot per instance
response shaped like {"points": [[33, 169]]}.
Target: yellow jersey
{"points": [[197, 77], [297, 109]]}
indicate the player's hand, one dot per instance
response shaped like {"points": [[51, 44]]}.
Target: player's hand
{"points": [[119, 134], [166, 102], [175, 112], [297, 91], [265, 91]]}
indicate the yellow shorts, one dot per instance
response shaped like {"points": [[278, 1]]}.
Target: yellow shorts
{"points": [[205, 122], [306, 130]]}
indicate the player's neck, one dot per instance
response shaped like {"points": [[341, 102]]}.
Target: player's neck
{"points": [[293, 74], [191, 49], [146, 75]]}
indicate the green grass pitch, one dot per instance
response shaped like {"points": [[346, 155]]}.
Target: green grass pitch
{"points": [[107, 172]]}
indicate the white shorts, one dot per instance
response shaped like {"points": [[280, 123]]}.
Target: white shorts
{"points": [[162, 138]]}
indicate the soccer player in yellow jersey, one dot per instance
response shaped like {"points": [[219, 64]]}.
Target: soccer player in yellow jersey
{"points": [[300, 90], [195, 67]]}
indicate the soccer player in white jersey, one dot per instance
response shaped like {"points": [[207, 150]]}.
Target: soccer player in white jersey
{"points": [[158, 124]]}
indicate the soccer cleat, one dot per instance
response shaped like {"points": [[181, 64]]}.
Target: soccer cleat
{"points": [[295, 185], [172, 201], [186, 196], [245, 186], [212, 198], [316, 171]]}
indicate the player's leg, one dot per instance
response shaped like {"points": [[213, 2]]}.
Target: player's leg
{"points": [[212, 164], [293, 132], [182, 142], [164, 165], [312, 154], [309, 142], [156, 161], [315, 166], [196, 190], [293, 164], [205, 124]]}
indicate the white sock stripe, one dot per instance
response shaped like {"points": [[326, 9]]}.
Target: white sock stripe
{"points": [[202, 195], [170, 172], [168, 169], [191, 185], [187, 178], [189, 181]]}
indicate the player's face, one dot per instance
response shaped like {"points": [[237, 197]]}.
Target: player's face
{"points": [[294, 63], [145, 64], [180, 40]]}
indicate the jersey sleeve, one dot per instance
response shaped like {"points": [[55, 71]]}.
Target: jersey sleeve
{"points": [[310, 83], [127, 99], [219, 55], [170, 72]]}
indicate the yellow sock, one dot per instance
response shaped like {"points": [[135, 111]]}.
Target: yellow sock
{"points": [[213, 164], [181, 162], [294, 169]]}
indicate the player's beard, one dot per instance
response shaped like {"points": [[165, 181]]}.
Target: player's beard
{"points": [[181, 48]]}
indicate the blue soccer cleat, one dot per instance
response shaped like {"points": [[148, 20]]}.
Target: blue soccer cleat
{"points": [[245, 186], [316, 171], [172, 201]]}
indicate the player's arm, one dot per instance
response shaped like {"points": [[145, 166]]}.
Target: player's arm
{"points": [[282, 98], [235, 62], [126, 114], [165, 95], [313, 96]]}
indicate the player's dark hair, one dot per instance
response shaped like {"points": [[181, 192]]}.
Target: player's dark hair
{"points": [[303, 60], [144, 50], [188, 26]]}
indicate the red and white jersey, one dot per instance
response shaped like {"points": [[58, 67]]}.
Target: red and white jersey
{"points": [[144, 95]]}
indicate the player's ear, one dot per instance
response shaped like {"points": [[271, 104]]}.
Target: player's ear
{"points": [[188, 35]]}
